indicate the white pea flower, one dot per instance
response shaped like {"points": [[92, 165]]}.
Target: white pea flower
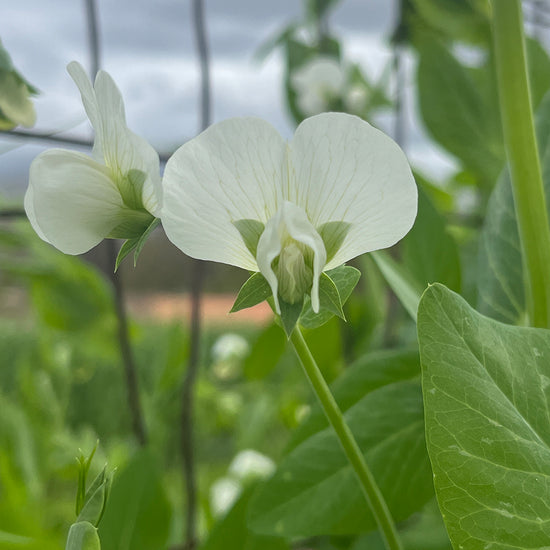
{"points": [[74, 201], [318, 84], [224, 492], [230, 347], [239, 194], [356, 99], [250, 464]]}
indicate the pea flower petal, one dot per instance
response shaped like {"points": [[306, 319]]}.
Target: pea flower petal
{"points": [[75, 204], [74, 201], [234, 170], [343, 169], [339, 189]]}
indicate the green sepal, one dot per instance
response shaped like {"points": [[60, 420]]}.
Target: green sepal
{"points": [[96, 499], [83, 468], [290, 313], [131, 189], [136, 243], [344, 279], [250, 231], [333, 235], [255, 290], [329, 297], [132, 224], [83, 536]]}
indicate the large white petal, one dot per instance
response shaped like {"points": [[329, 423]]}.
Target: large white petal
{"points": [[31, 214], [343, 169], [234, 170], [119, 148], [71, 200]]}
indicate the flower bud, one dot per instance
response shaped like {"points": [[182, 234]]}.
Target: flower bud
{"points": [[294, 275]]}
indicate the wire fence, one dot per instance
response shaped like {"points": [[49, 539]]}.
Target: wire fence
{"points": [[110, 249]]}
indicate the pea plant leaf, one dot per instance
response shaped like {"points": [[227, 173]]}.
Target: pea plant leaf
{"points": [[457, 112], [231, 533], [314, 490], [138, 512], [486, 390], [501, 292]]}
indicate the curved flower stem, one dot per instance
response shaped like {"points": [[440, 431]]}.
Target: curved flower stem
{"points": [[372, 493], [523, 156]]}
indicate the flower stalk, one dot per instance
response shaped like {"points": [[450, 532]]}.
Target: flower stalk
{"points": [[523, 156], [370, 489]]}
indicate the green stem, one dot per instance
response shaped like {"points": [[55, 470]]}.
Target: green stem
{"points": [[372, 493], [523, 156]]}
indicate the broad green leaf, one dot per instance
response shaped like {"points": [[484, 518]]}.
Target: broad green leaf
{"points": [[254, 291], [501, 292], [428, 251], [314, 491], [137, 515], [232, 533], [424, 531], [539, 70], [345, 278], [251, 231], [458, 113], [466, 20], [83, 536], [265, 353], [405, 286], [486, 394]]}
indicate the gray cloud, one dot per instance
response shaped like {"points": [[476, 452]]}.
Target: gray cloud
{"points": [[148, 47]]}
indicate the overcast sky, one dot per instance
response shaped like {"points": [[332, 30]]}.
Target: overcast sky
{"points": [[148, 47]]}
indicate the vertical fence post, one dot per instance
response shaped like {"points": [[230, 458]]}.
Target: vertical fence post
{"points": [[125, 348], [198, 272]]}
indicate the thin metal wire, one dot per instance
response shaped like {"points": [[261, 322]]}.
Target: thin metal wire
{"points": [[33, 135], [197, 277], [126, 354]]}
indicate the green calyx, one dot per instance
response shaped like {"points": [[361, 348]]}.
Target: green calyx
{"points": [[130, 187], [134, 219], [294, 271]]}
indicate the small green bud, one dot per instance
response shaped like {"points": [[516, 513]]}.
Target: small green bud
{"points": [[294, 274]]}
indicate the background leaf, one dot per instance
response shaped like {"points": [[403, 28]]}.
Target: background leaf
{"points": [[501, 292], [137, 515], [314, 490], [232, 533], [486, 388]]}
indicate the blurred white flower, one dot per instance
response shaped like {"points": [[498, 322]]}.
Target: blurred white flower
{"points": [[250, 464], [239, 194], [74, 201], [224, 492], [230, 346], [356, 99], [318, 84]]}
